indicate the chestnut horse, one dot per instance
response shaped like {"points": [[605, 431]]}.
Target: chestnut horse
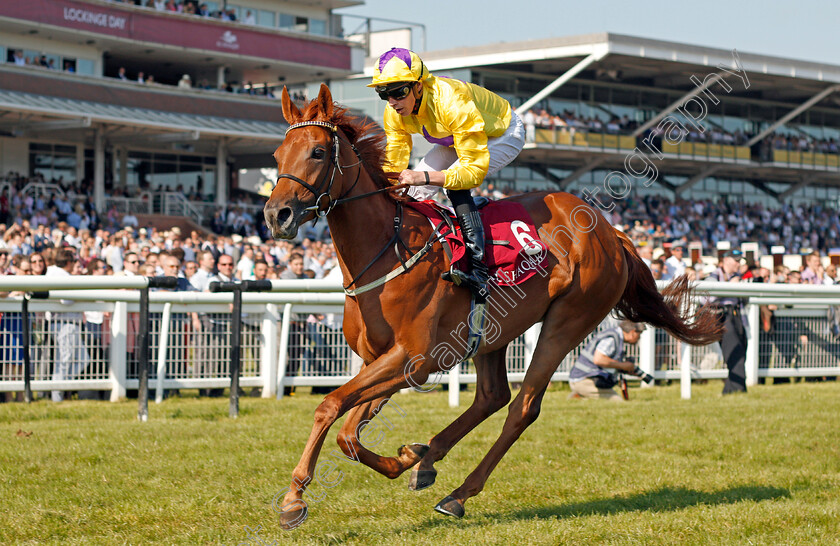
{"points": [[330, 165]]}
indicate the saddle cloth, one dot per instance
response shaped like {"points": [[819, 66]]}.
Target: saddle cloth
{"points": [[513, 249]]}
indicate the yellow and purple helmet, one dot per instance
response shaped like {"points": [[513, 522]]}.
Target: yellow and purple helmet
{"points": [[398, 65]]}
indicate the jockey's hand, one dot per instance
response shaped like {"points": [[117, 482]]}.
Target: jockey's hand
{"points": [[412, 178]]}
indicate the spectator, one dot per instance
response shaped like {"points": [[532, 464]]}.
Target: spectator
{"points": [[71, 354], [206, 267], [260, 270], [656, 267], [95, 341], [245, 267], [185, 82], [190, 269], [295, 270], [814, 272], [121, 74], [249, 18], [530, 121], [674, 265], [730, 310]]}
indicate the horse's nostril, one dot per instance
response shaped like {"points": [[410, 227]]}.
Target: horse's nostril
{"points": [[283, 215]]}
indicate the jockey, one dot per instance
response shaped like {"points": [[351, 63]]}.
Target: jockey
{"points": [[475, 133]]}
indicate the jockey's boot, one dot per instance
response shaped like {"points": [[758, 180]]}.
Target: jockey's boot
{"points": [[478, 275]]}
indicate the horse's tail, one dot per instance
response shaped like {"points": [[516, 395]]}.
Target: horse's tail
{"points": [[642, 302]]}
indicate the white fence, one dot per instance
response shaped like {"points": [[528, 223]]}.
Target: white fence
{"points": [[291, 337]]}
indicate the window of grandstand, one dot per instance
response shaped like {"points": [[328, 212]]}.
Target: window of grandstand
{"points": [[265, 18], [318, 26], [52, 161], [168, 172], [45, 59]]}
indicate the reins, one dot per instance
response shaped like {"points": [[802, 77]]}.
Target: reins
{"points": [[396, 240]]}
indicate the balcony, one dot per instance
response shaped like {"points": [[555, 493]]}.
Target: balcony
{"points": [[610, 142], [813, 160], [132, 35]]}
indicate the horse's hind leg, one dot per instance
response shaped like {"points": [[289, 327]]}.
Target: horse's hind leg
{"points": [[492, 393], [562, 330], [353, 429]]}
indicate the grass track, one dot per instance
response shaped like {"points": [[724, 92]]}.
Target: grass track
{"points": [[762, 469]]}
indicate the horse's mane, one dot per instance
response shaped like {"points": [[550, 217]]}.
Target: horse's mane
{"points": [[366, 136]]}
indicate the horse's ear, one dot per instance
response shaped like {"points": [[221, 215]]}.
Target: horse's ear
{"points": [[325, 101], [290, 111]]}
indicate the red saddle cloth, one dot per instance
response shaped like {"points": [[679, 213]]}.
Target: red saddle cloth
{"points": [[513, 249]]}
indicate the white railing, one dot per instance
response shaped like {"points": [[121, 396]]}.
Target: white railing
{"points": [[176, 204], [43, 188], [285, 342], [142, 204]]}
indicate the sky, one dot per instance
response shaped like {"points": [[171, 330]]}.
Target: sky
{"points": [[804, 29]]}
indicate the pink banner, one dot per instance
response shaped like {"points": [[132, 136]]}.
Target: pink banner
{"points": [[188, 31]]}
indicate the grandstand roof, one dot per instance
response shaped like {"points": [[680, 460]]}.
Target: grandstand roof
{"points": [[776, 87], [545, 57], [138, 117]]}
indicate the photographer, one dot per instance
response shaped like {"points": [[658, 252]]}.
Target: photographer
{"points": [[591, 376]]}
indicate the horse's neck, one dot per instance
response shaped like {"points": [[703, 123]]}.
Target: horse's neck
{"points": [[361, 228]]}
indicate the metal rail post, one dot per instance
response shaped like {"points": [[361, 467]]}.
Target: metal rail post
{"points": [[236, 331], [143, 335]]}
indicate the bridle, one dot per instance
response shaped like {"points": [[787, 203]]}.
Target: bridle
{"points": [[336, 166], [329, 173], [329, 180]]}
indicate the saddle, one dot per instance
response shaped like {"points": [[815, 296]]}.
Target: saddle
{"points": [[513, 251]]}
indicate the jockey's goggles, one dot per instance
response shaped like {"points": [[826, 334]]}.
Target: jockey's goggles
{"points": [[400, 92]]}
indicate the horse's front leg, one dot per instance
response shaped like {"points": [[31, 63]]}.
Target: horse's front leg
{"points": [[379, 379], [349, 439]]}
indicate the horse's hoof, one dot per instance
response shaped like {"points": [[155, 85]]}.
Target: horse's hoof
{"points": [[419, 450], [291, 519], [421, 479], [450, 507]]}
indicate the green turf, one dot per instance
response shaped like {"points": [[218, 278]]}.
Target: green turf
{"points": [[757, 469]]}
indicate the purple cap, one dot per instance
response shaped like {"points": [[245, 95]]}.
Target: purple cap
{"points": [[399, 52]]}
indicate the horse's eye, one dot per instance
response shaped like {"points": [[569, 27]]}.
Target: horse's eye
{"points": [[318, 153]]}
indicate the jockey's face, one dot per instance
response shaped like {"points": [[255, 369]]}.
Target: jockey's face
{"points": [[404, 106]]}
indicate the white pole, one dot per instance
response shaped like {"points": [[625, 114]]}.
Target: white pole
{"points": [[268, 370], [647, 353], [754, 319], [455, 386], [283, 355], [162, 347], [685, 371], [119, 350], [532, 336]]}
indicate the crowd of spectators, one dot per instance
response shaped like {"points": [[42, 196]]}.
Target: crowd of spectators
{"points": [[802, 142], [193, 7], [796, 227], [568, 120], [615, 125], [659, 220], [48, 210], [44, 232]]}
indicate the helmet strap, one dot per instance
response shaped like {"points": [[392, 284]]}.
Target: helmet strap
{"points": [[418, 98]]}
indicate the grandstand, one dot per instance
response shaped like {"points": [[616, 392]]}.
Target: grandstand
{"points": [[143, 108], [766, 134]]}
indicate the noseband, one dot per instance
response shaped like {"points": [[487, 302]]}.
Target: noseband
{"points": [[329, 173]]}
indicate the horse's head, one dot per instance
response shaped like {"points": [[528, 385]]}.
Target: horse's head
{"points": [[307, 163]]}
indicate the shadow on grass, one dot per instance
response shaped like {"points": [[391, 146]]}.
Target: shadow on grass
{"points": [[660, 500]]}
